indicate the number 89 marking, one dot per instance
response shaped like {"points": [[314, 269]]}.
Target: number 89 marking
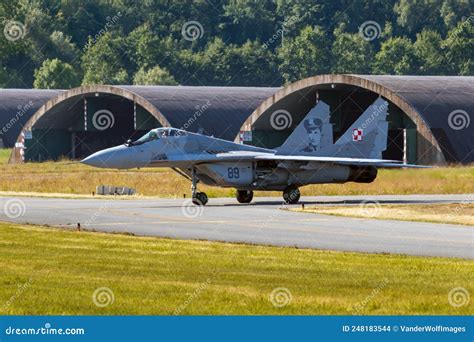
{"points": [[233, 173]]}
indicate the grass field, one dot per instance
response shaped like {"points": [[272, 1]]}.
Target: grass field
{"points": [[460, 213], [51, 271], [75, 178]]}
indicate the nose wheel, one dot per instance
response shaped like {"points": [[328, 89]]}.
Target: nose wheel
{"points": [[198, 198], [291, 195]]}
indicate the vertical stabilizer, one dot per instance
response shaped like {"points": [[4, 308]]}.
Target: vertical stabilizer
{"points": [[367, 137], [313, 134]]}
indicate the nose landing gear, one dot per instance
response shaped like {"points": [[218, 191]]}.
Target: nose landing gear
{"points": [[291, 195], [244, 196], [198, 198]]}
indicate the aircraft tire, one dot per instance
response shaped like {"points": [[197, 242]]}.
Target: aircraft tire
{"points": [[244, 196], [200, 199], [291, 195]]}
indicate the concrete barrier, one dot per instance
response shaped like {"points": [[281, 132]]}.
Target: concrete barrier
{"points": [[114, 190]]}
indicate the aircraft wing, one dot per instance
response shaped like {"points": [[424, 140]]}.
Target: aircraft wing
{"points": [[253, 156]]}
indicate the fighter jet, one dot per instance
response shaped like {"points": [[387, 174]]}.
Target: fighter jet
{"points": [[308, 156]]}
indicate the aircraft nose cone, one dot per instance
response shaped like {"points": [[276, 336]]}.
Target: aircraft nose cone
{"points": [[92, 160], [109, 158]]}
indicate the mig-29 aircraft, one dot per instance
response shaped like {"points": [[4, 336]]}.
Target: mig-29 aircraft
{"points": [[308, 156]]}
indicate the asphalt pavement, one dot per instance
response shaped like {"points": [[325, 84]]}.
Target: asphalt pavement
{"points": [[265, 221]]}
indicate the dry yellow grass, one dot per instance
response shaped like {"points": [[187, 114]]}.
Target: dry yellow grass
{"points": [[74, 178], [438, 213]]}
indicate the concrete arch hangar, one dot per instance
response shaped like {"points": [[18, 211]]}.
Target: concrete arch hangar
{"points": [[83, 120], [429, 116]]}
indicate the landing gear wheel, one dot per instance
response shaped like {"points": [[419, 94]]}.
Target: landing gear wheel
{"points": [[291, 195], [200, 198], [244, 196]]}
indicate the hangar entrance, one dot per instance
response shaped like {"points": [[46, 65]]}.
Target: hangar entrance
{"points": [[346, 104], [82, 125]]}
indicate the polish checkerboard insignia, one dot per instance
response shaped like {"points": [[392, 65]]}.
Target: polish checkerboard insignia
{"points": [[357, 134]]}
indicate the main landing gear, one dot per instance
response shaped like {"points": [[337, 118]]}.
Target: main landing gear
{"points": [[244, 196], [198, 198], [291, 195]]}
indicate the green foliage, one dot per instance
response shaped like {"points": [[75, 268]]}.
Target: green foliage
{"points": [[55, 74], [102, 61], [147, 49], [351, 54], [396, 56], [154, 76], [220, 64], [63, 46], [306, 55], [428, 50], [240, 42], [414, 15], [240, 20], [258, 65], [459, 47]]}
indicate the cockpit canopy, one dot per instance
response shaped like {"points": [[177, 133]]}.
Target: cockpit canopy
{"points": [[158, 133]]}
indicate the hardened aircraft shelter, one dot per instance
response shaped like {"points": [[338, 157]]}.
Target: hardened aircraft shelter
{"points": [[429, 116]]}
